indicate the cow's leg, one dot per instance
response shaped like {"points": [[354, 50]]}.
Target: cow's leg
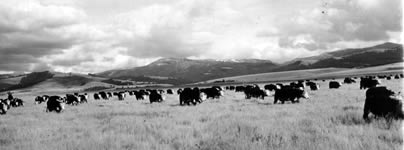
{"points": [[366, 110]]}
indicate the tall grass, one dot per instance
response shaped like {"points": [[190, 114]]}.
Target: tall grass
{"points": [[330, 119]]}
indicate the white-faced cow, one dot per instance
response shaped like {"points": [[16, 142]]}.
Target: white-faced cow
{"points": [[3, 107]]}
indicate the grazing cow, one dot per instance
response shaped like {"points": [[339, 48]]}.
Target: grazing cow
{"points": [[41, 99], [55, 103], [169, 91], [121, 96], [382, 102], [140, 94], [297, 85], [334, 85], [271, 87], [72, 99], [288, 93], [155, 96], [190, 96], [213, 92], [109, 94], [239, 89], [368, 82], [255, 92], [83, 98], [349, 80], [313, 86], [96, 96], [396, 77], [3, 107], [16, 102], [104, 95]]}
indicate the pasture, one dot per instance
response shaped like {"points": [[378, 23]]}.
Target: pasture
{"points": [[330, 119]]}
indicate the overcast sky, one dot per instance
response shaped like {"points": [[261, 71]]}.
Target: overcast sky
{"points": [[97, 35]]}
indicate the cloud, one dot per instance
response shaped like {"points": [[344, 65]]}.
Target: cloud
{"points": [[93, 36], [29, 31], [339, 21]]}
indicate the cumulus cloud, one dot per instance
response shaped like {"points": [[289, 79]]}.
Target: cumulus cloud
{"points": [[28, 31], [98, 35]]}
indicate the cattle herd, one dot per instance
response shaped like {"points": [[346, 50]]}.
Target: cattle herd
{"points": [[380, 101], [10, 101]]}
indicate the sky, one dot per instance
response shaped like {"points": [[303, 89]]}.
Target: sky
{"points": [[90, 36]]}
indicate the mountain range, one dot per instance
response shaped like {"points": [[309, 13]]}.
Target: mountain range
{"points": [[183, 70]]}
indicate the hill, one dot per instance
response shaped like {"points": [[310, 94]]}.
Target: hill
{"points": [[382, 54], [322, 73], [182, 70]]}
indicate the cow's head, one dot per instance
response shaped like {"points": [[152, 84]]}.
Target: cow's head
{"points": [[202, 96], [305, 94]]}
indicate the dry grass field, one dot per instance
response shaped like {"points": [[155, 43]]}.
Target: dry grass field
{"points": [[330, 119]]}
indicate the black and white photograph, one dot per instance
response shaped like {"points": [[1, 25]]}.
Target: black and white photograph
{"points": [[201, 75]]}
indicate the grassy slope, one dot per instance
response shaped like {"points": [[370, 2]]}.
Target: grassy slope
{"points": [[330, 119], [326, 73]]}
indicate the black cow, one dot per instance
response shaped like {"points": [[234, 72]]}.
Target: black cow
{"points": [[190, 96], [55, 103], [349, 80], [96, 96], [155, 96], [104, 95], [381, 102], [72, 99], [271, 87], [255, 92], [121, 96], [313, 86], [10, 96], [213, 92], [169, 91], [397, 76], [109, 94], [297, 85], [139, 94], [83, 98], [288, 93], [239, 89], [368, 82], [334, 85]]}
